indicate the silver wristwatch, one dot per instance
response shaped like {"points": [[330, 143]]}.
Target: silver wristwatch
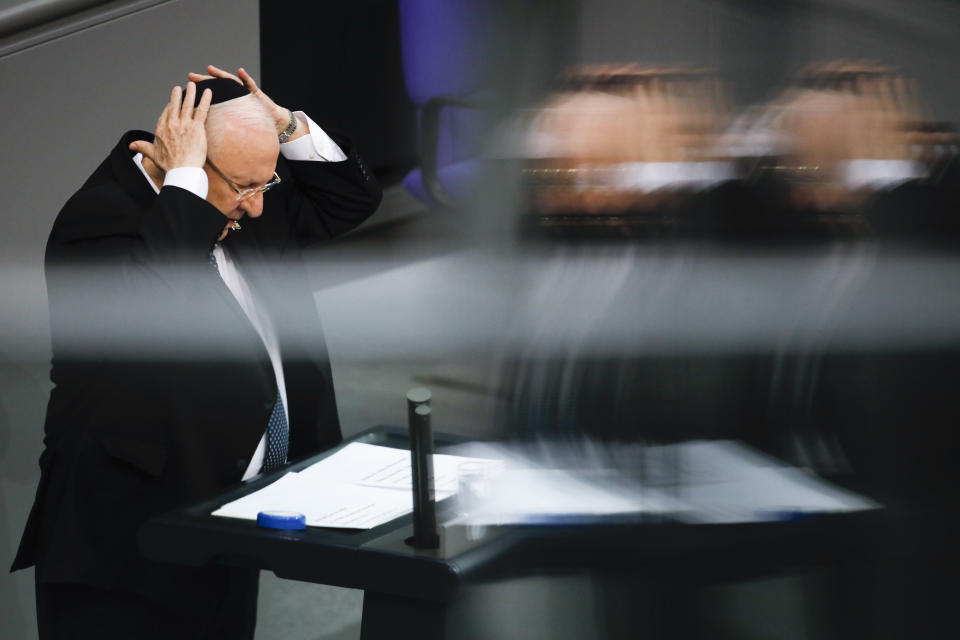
{"points": [[286, 133]]}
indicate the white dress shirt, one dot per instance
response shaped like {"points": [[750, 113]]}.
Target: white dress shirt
{"points": [[317, 147]]}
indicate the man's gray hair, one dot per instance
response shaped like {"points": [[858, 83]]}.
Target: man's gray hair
{"points": [[244, 113]]}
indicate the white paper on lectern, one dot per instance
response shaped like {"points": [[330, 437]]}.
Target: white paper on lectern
{"points": [[334, 505], [739, 484], [359, 487], [375, 466], [545, 496], [698, 482]]}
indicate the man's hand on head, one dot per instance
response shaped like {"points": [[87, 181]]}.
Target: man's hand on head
{"points": [[180, 139], [281, 115]]}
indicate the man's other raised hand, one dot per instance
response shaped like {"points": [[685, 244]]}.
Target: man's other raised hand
{"points": [[180, 139]]}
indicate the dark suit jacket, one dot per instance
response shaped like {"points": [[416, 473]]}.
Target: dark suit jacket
{"points": [[162, 386]]}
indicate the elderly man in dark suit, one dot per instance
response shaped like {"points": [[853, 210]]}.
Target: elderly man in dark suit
{"points": [[187, 354]]}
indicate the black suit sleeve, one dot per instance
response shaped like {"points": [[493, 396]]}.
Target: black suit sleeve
{"points": [[103, 225], [318, 200], [121, 276]]}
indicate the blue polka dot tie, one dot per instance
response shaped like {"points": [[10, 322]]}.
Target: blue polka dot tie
{"points": [[278, 437]]}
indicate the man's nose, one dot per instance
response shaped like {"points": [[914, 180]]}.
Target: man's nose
{"points": [[253, 206]]}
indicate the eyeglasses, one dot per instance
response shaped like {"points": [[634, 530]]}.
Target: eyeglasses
{"points": [[243, 194]]}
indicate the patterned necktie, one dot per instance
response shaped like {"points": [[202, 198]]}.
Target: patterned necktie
{"points": [[278, 430], [278, 437]]}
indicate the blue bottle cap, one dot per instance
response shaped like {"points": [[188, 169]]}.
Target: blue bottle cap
{"points": [[281, 520]]}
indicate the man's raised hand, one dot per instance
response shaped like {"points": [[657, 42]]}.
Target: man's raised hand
{"points": [[180, 139]]}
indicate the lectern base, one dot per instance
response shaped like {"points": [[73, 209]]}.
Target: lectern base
{"points": [[387, 617]]}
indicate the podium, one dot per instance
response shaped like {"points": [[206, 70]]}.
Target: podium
{"points": [[402, 585], [419, 591]]}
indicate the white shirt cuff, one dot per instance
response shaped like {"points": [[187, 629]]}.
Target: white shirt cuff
{"points": [[652, 176], [193, 179], [317, 146], [880, 174]]}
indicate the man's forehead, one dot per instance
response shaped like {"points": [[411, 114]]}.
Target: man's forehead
{"points": [[237, 152]]}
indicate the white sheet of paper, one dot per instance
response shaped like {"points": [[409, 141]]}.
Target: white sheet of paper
{"points": [[544, 496], [697, 482], [739, 484], [375, 466], [359, 487]]}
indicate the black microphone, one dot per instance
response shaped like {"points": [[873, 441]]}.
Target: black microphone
{"points": [[421, 470]]}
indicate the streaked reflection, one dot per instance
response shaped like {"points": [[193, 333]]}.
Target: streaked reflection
{"points": [[844, 149], [588, 482]]}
